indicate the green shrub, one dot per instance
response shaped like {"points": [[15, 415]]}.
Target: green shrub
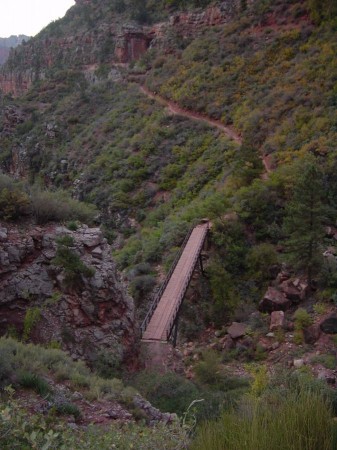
{"points": [[108, 363], [328, 361], [302, 319], [33, 381], [79, 380], [320, 308], [298, 336], [169, 392], [207, 370], [13, 204], [67, 409], [70, 262], [72, 225], [140, 286], [58, 206], [32, 317], [65, 240], [260, 380]]}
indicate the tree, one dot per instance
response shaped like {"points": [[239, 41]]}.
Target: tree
{"points": [[305, 215], [247, 164]]}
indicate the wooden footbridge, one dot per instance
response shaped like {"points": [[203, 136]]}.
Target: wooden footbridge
{"points": [[161, 321]]}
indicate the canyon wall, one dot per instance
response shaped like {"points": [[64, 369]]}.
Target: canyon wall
{"points": [[95, 317], [110, 42]]}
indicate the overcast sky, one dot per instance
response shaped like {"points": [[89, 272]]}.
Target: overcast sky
{"points": [[30, 16]]}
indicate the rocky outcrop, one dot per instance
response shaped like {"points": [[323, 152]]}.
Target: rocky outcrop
{"points": [[285, 292], [15, 83], [274, 300], [12, 117], [153, 414], [94, 319], [108, 42], [131, 43]]}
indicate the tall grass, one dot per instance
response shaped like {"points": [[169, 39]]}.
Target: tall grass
{"points": [[295, 421]]}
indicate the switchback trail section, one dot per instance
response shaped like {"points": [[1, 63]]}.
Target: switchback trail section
{"points": [[174, 108]]}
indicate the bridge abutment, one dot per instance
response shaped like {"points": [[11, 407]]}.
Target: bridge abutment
{"points": [[157, 355]]}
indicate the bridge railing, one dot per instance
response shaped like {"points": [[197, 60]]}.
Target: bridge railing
{"points": [[162, 288], [184, 289]]}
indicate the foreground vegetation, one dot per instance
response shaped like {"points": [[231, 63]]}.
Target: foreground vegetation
{"points": [[293, 420], [18, 429], [45, 371], [289, 410]]}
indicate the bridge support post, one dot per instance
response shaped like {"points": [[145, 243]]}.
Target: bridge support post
{"points": [[201, 265], [175, 331]]}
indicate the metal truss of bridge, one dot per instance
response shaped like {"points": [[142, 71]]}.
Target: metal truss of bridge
{"points": [[161, 321]]}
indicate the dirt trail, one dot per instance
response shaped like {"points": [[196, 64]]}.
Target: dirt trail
{"points": [[176, 109]]}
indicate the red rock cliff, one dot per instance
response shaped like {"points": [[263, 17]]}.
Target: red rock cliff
{"points": [[97, 316]]}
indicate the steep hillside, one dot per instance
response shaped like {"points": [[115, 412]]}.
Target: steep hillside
{"points": [[7, 43], [149, 172], [160, 114]]}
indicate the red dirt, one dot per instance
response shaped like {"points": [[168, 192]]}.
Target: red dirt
{"points": [[174, 108]]}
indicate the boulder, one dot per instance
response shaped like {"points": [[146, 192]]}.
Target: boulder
{"points": [[228, 343], [276, 320], [237, 330], [291, 291], [92, 240], [329, 325], [311, 334], [97, 252], [298, 363], [274, 300]]}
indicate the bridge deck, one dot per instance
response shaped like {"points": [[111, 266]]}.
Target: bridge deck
{"points": [[166, 311]]}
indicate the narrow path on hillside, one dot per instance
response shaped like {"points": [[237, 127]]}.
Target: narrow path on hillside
{"points": [[174, 108]]}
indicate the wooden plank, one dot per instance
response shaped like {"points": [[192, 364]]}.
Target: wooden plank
{"points": [[171, 298]]}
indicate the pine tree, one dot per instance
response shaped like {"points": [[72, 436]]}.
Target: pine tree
{"points": [[305, 215]]}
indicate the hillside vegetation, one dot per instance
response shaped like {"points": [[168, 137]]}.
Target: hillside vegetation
{"points": [[270, 74], [86, 127], [152, 174]]}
